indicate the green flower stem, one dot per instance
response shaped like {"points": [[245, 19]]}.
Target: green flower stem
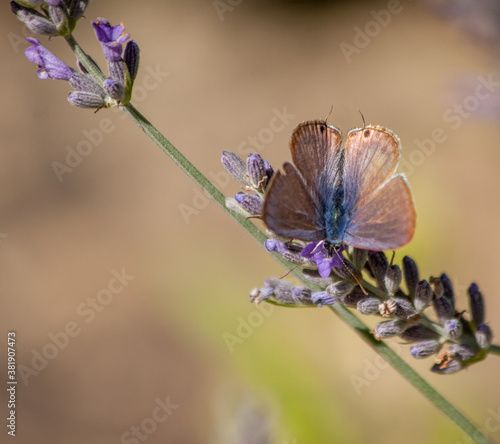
{"points": [[85, 60], [495, 349], [347, 316]]}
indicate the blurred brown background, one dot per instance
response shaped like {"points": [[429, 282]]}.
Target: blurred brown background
{"points": [[160, 340]]}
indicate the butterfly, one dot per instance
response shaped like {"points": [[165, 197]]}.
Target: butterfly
{"points": [[342, 194]]}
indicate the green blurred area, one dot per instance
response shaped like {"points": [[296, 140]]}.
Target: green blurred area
{"points": [[175, 329]]}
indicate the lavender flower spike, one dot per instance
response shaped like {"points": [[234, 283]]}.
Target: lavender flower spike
{"points": [[111, 38], [48, 64]]}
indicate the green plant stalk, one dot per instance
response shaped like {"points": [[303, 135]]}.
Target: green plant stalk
{"points": [[347, 316], [494, 349]]}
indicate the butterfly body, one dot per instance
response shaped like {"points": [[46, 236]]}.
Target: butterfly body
{"points": [[346, 194]]}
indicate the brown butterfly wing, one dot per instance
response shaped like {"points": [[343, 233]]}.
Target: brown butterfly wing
{"points": [[386, 221], [315, 148], [380, 205], [289, 209], [293, 205]]}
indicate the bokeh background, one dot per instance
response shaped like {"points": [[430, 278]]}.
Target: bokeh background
{"points": [[296, 376]]}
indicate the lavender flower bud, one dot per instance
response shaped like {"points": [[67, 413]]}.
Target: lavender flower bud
{"points": [[389, 329], [259, 295], [85, 82], [476, 302], [251, 203], [339, 289], [464, 351], [34, 21], [352, 299], [348, 271], [300, 295], [422, 295], [411, 274], [483, 336], [443, 309], [291, 252], [378, 265], [269, 172], [117, 70], [314, 276], [85, 99], [281, 290], [368, 306], [77, 8], [114, 89], [359, 258], [438, 286], [131, 58], [60, 19], [235, 166], [321, 298], [256, 171], [418, 332], [397, 307], [56, 14], [392, 279], [453, 328], [424, 348], [448, 289]]}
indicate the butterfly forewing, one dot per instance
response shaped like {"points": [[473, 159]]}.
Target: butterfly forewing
{"points": [[371, 158], [290, 210], [315, 148]]}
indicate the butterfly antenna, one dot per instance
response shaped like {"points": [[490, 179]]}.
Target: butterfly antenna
{"points": [[329, 113], [352, 274], [288, 272], [393, 255], [362, 118]]}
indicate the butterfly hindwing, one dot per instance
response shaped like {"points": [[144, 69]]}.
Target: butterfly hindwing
{"points": [[386, 221], [289, 209]]}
